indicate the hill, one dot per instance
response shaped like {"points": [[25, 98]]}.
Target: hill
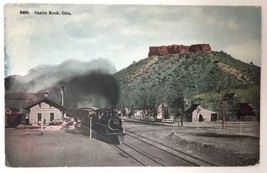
{"points": [[197, 76], [194, 75]]}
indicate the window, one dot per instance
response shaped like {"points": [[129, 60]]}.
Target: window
{"points": [[52, 116], [39, 117]]}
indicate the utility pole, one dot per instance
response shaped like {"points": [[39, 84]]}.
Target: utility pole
{"points": [[222, 113], [42, 125], [62, 95], [90, 126], [163, 113], [182, 118], [62, 100]]}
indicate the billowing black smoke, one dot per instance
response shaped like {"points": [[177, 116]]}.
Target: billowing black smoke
{"points": [[80, 87], [82, 81], [47, 76]]}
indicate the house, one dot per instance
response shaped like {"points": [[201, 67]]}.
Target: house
{"points": [[14, 107], [44, 108], [14, 116], [139, 113], [162, 111], [196, 113], [246, 112]]}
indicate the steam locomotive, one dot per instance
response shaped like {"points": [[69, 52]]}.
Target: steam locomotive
{"points": [[106, 124]]}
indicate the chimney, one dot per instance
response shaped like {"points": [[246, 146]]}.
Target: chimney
{"points": [[46, 94], [62, 95]]}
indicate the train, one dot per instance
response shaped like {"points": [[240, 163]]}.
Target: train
{"points": [[105, 123]]}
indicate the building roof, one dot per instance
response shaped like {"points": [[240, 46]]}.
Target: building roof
{"points": [[48, 101], [195, 106], [20, 99], [192, 108], [88, 108], [15, 111], [245, 109]]}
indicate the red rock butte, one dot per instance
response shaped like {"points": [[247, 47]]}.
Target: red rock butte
{"points": [[174, 49]]}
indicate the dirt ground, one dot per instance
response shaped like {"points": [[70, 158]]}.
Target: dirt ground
{"points": [[58, 148], [237, 145]]}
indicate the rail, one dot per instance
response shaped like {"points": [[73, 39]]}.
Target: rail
{"points": [[195, 161]]}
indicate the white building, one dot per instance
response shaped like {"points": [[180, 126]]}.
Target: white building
{"points": [[196, 113], [163, 110], [44, 109]]}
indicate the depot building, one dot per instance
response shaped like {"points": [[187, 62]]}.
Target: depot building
{"points": [[44, 108]]}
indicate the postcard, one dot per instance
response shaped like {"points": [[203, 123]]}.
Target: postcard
{"points": [[91, 85]]}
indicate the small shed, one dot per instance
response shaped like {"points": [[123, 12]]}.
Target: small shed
{"points": [[45, 108], [196, 113]]}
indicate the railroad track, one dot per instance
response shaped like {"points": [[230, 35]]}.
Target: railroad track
{"points": [[146, 158], [138, 155]]}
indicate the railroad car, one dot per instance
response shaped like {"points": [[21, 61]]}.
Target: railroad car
{"points": [[106, 124]]}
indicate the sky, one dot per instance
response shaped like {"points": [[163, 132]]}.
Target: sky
{"points": [[123, 33]]}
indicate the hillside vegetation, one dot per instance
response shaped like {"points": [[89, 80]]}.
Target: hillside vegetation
{"points": [[195, 76]]}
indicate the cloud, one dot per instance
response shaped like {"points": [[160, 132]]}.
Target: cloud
{"points": [[233, 25], [121, 33], [247, 52], [117, 47]]}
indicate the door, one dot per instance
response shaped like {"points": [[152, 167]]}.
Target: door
{"points": [[200, 119], [52, 116], [39, 117], [214, 117]]}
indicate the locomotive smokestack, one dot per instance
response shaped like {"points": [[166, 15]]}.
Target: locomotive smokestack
{"points": [[62, 95], [46, 94], [113, 111]]}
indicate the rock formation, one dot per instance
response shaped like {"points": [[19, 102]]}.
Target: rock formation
{"points": [[200, 48], [174, 49], [159, 50]]}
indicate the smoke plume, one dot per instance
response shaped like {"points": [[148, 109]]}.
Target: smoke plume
{"points": [[80, 80], [47, 76], [95, 83]]}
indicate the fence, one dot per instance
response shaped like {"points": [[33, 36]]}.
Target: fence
{"points": [[152, 119]]}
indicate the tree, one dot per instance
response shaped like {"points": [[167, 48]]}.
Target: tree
{"points": [[224, 98], [177, 100], [128, 97], [220, 86], [148, 102], [180, 102], [221, 103]]}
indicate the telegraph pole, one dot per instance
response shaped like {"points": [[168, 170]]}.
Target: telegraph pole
{"points": [[62, 100], [90, 125], [42, 125], [62, 95], [182, 118], [222, 114]]}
